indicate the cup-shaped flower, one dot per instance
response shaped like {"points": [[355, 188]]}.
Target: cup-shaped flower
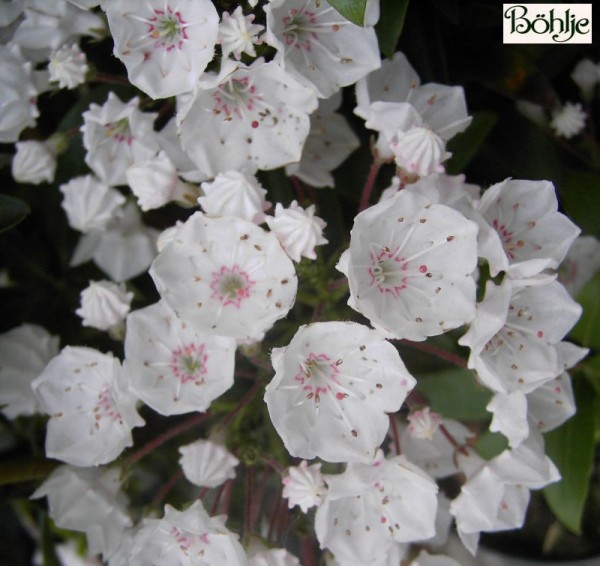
{"points": [[333, 385], [91, 408], [189, 537], [173, 368], [164, 44], [252, 117], [207, 464], [117, 135], [319, 47], [371, 507], [225, 276], [24, 352], [529, 234], [410, 265]]}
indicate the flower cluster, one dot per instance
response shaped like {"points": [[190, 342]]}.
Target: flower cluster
{"points": [[222, 290]]}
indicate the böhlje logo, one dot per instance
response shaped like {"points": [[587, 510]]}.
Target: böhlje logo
{"points": [[547, 23]]}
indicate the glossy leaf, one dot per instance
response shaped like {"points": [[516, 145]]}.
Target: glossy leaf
{"points": [[390, 24], [587, 330], [455, 394], [353, 10], [571, 448], [12, 211]]}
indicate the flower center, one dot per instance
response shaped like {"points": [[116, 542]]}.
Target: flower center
{"points": [[301, 28], [388, 271], [167, 27], [105, 407], [231, 286], [119, 131], [188, 363], [317, 375]]}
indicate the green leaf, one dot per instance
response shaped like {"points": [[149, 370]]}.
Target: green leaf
{"points": [[571, 448], [12, 211], [47, 545], [454, 394], [490, 444], [353, 10], [580, 195], [16, 471], [587, 330], [390, 24], [465, 145]]}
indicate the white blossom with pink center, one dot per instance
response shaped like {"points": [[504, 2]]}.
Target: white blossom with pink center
{"points": [[515, 335], [225, 276], [173, 368], [530, 233], [304, 486], [117, 135], [91, 408], [88, 500], [186, 537], [235, 193], [298, 230], [371, 507], [333, 387], [424, 423], [165, 44], [410, 265], [239, 34], [207, 464], [318, 46], [251, 118], [24, 352]]}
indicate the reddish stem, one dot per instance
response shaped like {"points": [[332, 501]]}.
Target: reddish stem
{"points": [[165, 437], [249, 495], [453, 441], [341, 282], [275, 516], [215, 504], [435, 351], [165, 489], [243, 402], [307, 548], [111, 79], [297, 184], [369, 184]]}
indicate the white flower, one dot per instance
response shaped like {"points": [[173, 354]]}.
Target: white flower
{"points": [[304, 486], [18, 106], [437, 456], [207, 464], [328, 144], [419, 151], [90, 204], [333, 385], [250, 117], [10, 10], [529, 234], [155, 183], [568, 120], [88, 500], [409, 266], [34, 162], [48, 25], [580, 265], [173, 368], [91, 409], [104, 304], [68, 66], [394, 81], [273, 557], [318, 46], [235, 194], [187, 537], [551, 404], [124, 249], [170, 144], [426, 559], [225, 276], [368, 508], [586, 75], [238, 34], [514, 337], [298, 230], [164, 44], [24, 352], [117, 135]]}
